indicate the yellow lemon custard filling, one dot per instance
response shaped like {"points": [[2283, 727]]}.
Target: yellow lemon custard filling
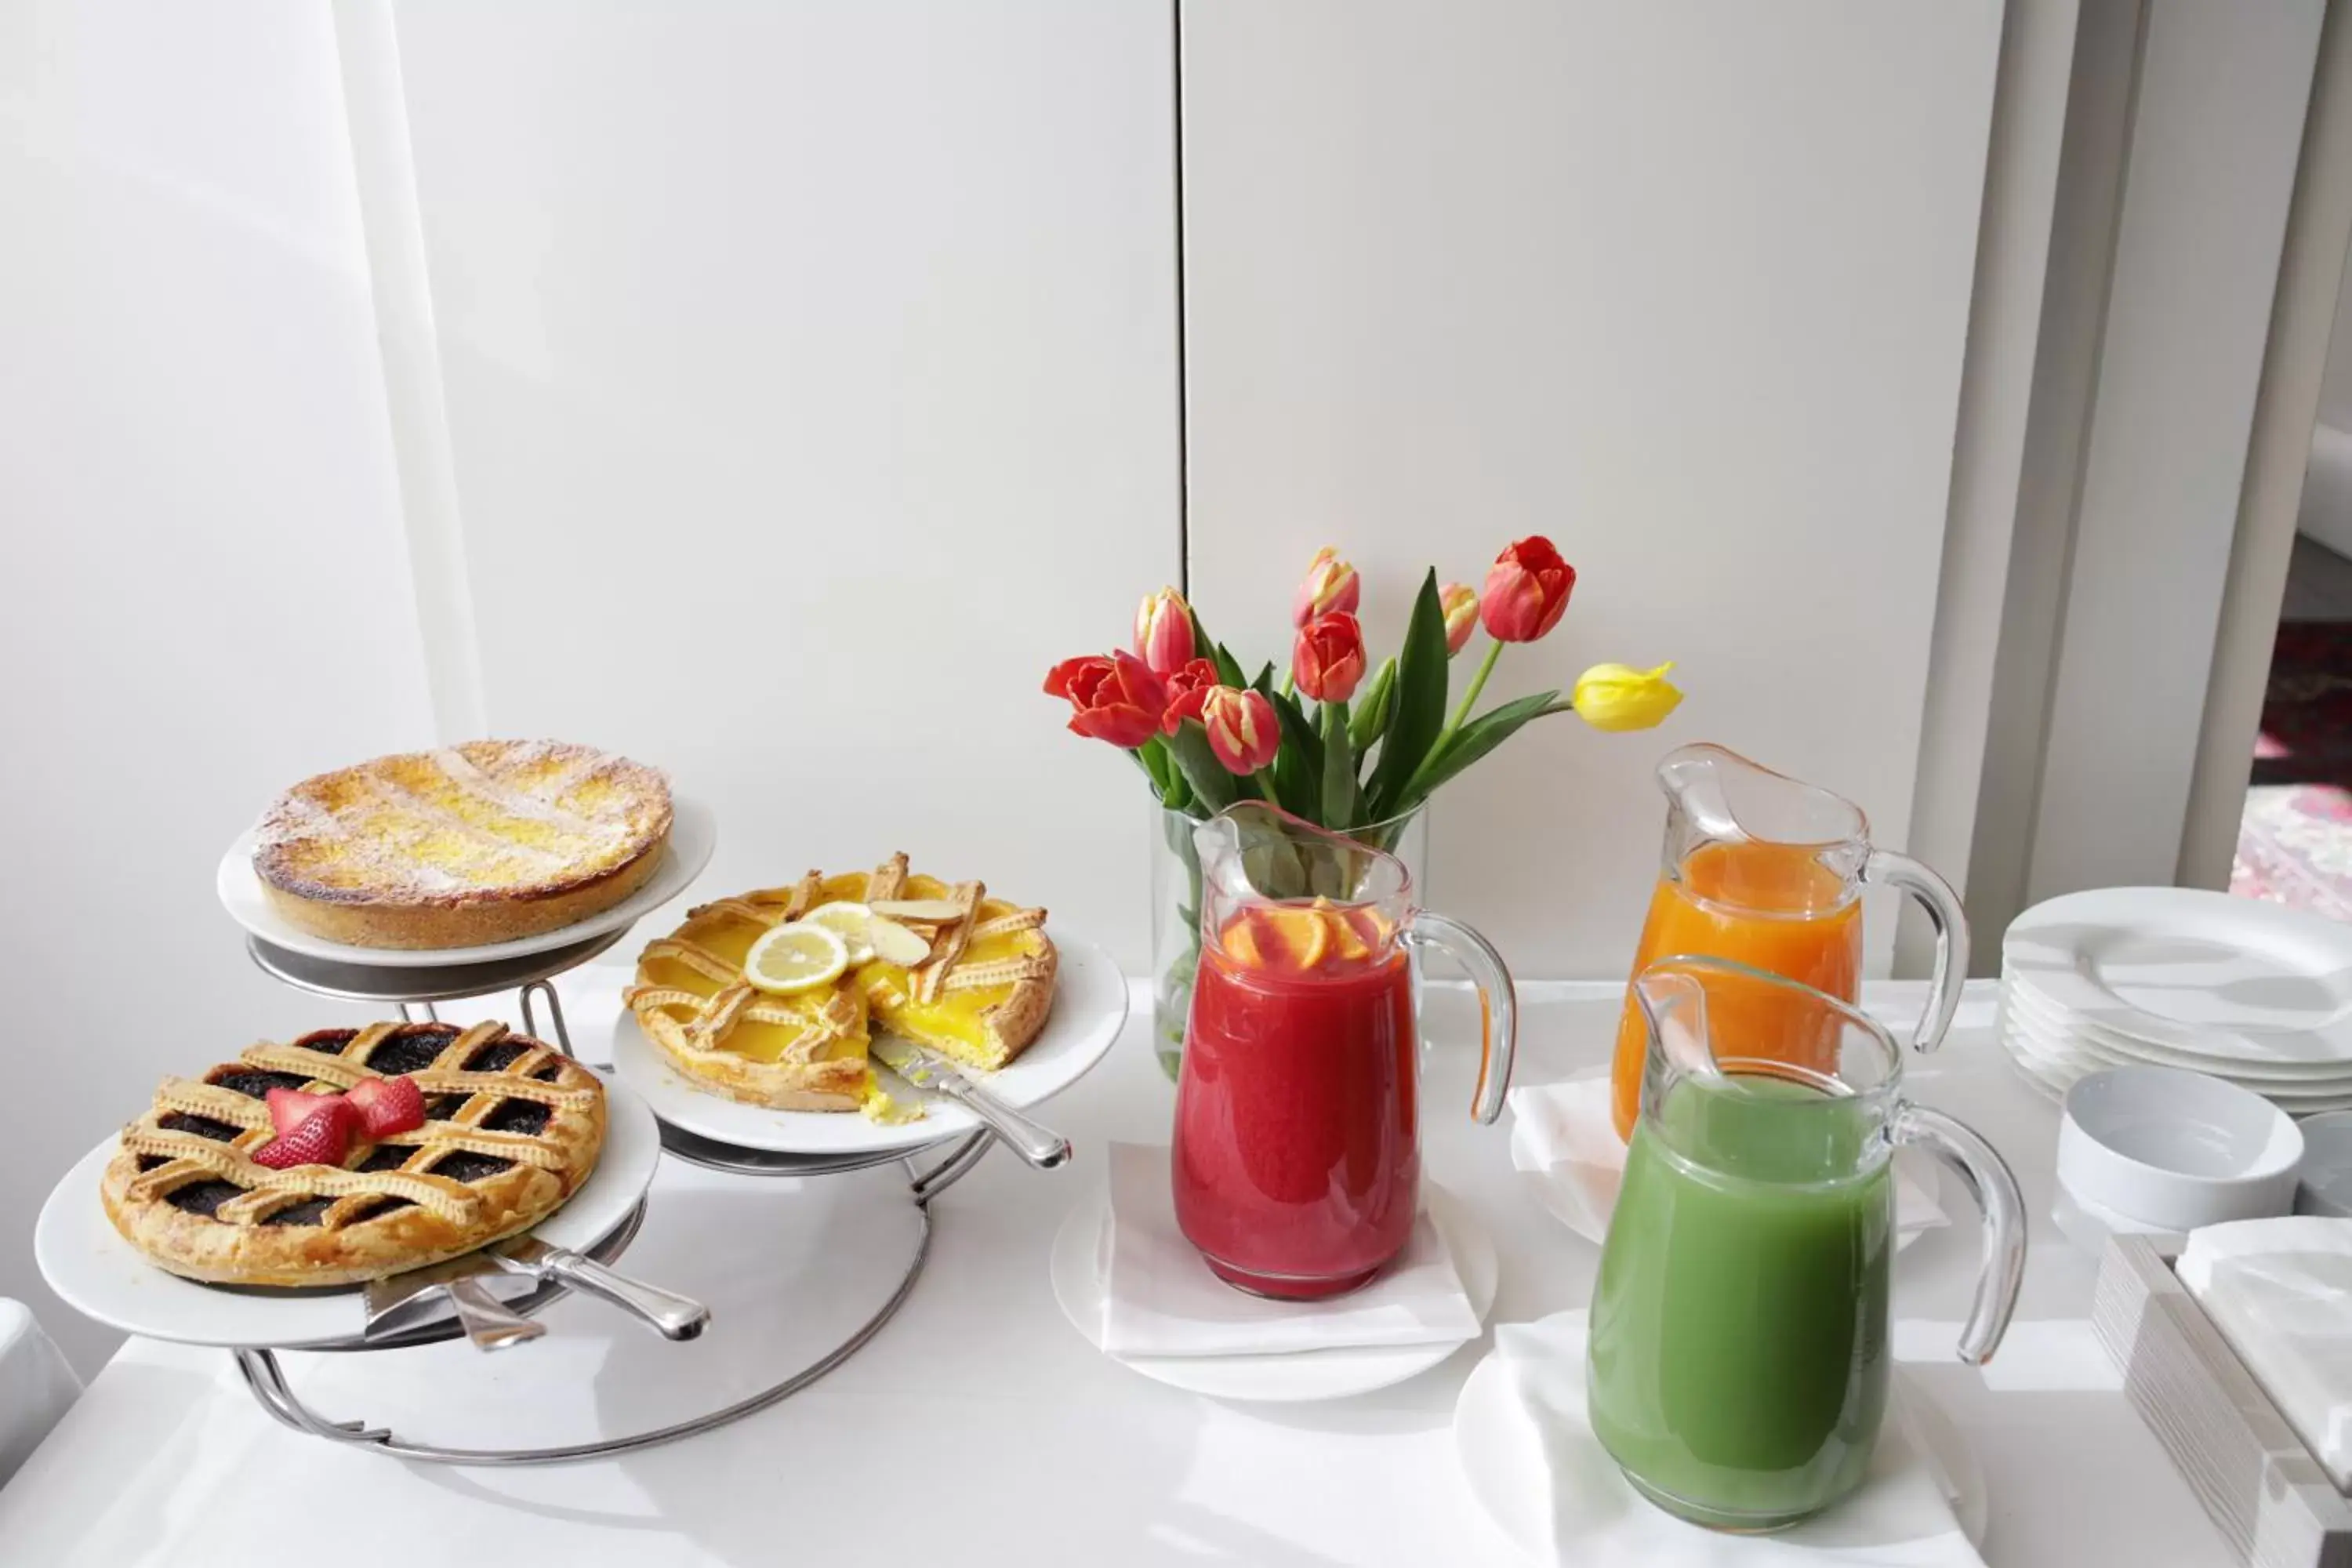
{"points": [[977, 989]]}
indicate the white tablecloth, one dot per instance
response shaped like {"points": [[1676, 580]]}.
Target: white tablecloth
{"points": [[978, 1428]]}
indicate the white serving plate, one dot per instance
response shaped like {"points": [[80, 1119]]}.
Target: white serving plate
{"points": [[2054, 1024], [2060, 1058], [101, 1276], [693, 835], [1502, 1464], [2196, 970], [1081, 1251], [1089, 1010]]}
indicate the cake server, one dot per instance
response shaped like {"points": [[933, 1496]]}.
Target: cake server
{"points": [[488, 1322], [673, 1316], [1040, 1146]]}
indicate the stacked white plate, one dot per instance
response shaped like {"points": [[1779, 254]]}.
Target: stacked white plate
{"points": [[2256, 994]]}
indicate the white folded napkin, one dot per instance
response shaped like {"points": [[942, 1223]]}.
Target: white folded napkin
{"points": [[1564, 1135], [2281, 1292], [1899, 1516], [1161, 1301]]}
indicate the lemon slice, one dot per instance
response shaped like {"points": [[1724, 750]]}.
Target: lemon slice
{"points": [[846, 920], [795, 957], [894, 943]]}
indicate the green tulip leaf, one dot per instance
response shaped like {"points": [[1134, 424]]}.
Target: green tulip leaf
{"points": [[1374, 709], [1339, 770], [1212, 785], [1472, 741], [1229, 668], [1420, 713]]}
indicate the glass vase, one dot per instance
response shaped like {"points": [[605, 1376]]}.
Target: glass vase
{"points": [[1176, 920]]}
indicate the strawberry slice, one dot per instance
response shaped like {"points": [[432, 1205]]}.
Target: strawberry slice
{"points": [[323, 1138], [289, 1108], [387, 1105]]}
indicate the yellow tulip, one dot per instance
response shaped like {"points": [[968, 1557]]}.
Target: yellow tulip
{"points": [[1619, 696]]}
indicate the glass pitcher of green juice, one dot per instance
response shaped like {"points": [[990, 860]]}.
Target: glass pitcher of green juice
{"points": [[1738, 1362]]}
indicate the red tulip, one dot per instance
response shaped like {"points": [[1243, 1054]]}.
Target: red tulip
{"points": [[1330, 586], [1116, 699], [1163, 631], [1461, 603], [1327, 659], [1241, 726], [1527, 591], [1187, 689]]}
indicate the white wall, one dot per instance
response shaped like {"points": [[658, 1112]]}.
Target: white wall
{"points": [[809, 374], [1684, 286], [208, 591]]}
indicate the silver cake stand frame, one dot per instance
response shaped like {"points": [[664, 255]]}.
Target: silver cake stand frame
{"points": [[414, 991]]}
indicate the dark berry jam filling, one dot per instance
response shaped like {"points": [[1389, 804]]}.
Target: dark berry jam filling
{"points": [[464, 1165], [410, 1050], [495, 1055], [387, 1157], [202, 1197], [523, 1116], [307, 1211], [254, 1083], [201, 1126], [327, 1043]]}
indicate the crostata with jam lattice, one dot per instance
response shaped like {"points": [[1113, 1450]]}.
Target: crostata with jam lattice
{"points": [[354, 1153]]}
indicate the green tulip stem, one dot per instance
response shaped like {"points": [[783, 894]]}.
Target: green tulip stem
{"points": [[1470, 697]]}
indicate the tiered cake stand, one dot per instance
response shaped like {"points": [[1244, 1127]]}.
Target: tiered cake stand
{"points": [[415, 990]]}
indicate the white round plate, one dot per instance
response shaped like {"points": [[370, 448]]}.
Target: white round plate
{"points": [[1504, 1467], [2198, 971], [693, 835], [2054, 1024], [1089, 1010], [1080, 1250], [2059, 1052], [101, 1276]]}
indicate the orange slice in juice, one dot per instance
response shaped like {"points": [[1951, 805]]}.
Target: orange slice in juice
{"points": [[1348, 944], [1302, 936]]}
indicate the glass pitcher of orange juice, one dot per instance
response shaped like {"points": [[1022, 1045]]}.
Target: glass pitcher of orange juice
{"points": [[1763, 869]]}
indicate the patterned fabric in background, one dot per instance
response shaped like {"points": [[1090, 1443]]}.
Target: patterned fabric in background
{"points": [[2295, 846]]}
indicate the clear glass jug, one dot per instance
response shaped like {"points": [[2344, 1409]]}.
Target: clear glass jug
{"points": [[1738, 1355], [1769, 872], [1296, 1158]]}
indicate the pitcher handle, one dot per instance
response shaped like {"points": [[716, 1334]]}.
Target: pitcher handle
{"points": [[1498, 1004], [1886, 868], [1988, 1178]]}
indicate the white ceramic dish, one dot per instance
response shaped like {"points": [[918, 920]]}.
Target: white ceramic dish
{"points": [[693, 835], [2194, 970], [1503, 1467], [2058, 1048], [2323, 1186], [2176, 1149], [2089, 1223], [2052, 1022], [101, 1276], [1089, 1010], [1081, 1249]]}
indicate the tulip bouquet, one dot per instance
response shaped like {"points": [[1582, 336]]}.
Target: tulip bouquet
{"points": [[1344, 745]]}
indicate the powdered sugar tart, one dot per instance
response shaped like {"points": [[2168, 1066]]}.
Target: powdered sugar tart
{"points": [[511, 1128], [980, 995], [471, 844]]}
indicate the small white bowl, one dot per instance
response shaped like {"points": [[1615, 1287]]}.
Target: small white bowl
{"points": [[2327, 1185], [2176, 1149]]}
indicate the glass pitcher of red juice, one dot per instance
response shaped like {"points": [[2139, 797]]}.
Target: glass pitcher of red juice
{"points": [[1298, 1146]]}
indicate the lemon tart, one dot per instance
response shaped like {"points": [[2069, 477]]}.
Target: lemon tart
{"points": [[478, 843], [947, 966]]}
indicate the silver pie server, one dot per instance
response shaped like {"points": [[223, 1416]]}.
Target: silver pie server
{"points": [[674, 1317], [1040, 1146], [490, 1322]]}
